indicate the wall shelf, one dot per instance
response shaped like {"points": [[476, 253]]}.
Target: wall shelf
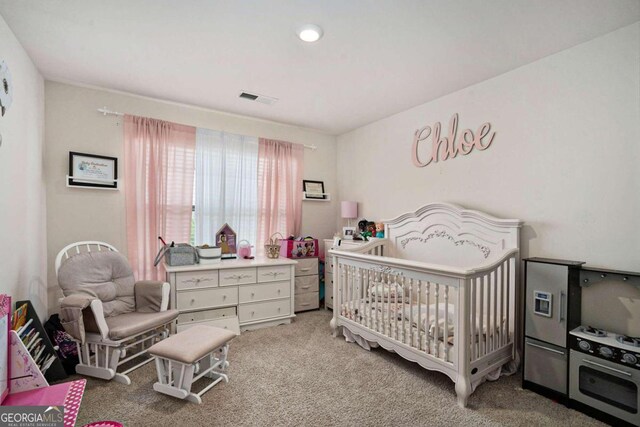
{"points": [[327, 197]]}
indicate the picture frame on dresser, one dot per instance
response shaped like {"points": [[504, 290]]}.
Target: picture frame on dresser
{"points": [[348, 233]]}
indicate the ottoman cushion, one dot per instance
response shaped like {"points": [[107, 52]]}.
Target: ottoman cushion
{"points": [[192, 344]]}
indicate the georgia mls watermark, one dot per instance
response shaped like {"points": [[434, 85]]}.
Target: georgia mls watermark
{"points": [[32, 416]]}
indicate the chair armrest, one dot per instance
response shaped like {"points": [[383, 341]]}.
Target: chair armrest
{"points": [[72, 315], [98, 317], [151, 296]]}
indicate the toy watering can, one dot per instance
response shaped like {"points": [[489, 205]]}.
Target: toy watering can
{"points": [[244, 249]]}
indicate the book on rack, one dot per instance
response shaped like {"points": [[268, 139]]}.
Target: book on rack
{"points": [[30, 332]]}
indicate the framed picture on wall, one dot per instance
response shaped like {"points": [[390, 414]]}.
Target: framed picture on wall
{"points": [[92, 171], [313, 189]]}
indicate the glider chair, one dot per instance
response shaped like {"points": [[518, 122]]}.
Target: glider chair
{"points": [[112, 318]]}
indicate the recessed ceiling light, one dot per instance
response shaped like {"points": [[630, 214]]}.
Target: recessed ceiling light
{"points": [[310, 33]]}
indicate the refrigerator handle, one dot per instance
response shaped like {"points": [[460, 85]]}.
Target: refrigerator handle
{"points": [[561, 308]]}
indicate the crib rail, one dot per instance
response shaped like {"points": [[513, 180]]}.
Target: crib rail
{"points": [[431, 309]]}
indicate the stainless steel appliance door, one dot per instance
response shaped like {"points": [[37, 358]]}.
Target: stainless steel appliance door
{"points": [[609, 387], [553, 279], [545, 365]]}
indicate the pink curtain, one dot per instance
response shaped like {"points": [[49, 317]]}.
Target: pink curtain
{"points": [[279, 189], [159, 160]]}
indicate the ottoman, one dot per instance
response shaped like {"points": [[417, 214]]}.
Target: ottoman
{"points": [[184, 358]]}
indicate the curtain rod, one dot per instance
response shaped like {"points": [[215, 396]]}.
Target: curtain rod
{"points": [[106, 112]]}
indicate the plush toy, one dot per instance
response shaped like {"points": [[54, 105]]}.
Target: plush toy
{"points": [[362, 225], [380, 230], [371, 228]]}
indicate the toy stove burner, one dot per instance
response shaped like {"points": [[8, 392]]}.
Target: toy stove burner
{"points": [[631, 341], [594, 332]]}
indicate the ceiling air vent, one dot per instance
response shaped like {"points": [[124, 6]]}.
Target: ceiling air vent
{"points": [[269, 100]]}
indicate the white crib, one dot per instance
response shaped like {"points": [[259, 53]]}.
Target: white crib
{"points": [[439, 290]]}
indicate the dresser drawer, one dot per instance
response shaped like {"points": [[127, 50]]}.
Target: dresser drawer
{"points": [[307, 301], [205, 298], [203, 315], [264, 310], [196, 279], [265, 291], [305, 284], [306, 266], [230, 323], [237, 276], [272, 274]]}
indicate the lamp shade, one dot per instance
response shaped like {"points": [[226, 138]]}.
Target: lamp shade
{"points": [[349, 210]]}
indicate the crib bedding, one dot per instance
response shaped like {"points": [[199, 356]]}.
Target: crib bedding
{"points": [[365, 311], [365, 308]]}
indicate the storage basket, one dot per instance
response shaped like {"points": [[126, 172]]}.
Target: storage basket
{"points": [[209, 254], [299, 248], [180, 254], [272, 247]]}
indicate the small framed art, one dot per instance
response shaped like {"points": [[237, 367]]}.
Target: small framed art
{"points": [[313, 189], [92, 171], [348, 233]]}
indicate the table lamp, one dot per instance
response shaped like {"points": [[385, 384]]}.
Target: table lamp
{"points": [[349, 211]]}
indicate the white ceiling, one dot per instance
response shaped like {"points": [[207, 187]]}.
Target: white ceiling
{"points": [[377, 57]]}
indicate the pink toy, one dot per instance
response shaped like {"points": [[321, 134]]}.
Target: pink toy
{"points": [[244, 249]]}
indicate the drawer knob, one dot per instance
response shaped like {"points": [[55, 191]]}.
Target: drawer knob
{"points": [[193, 301], [279, 290], [252, 313], [224, 297], [278, 309], [252, 295]]}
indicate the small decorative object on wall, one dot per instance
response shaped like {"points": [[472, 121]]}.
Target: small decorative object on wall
{"points": [[446, 147], [6, 88], [313, 189], [5, 327], [348, 233], [226, 241], [92, 171]]}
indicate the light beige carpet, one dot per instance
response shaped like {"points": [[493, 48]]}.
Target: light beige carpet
{"points": [[300, 375]]}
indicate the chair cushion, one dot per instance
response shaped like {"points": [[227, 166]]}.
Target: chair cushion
{"points": [[105, 275], [192, 344], [128, 324]]}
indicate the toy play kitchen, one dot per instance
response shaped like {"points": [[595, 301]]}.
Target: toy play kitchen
{"points": [[583, 366]]}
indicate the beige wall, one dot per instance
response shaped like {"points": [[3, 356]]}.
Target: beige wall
{"points": [[23, 255], [73, 124], [564, 160]]}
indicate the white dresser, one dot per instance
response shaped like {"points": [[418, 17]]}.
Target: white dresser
{"points": [[232, 294], [328, 268]]}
